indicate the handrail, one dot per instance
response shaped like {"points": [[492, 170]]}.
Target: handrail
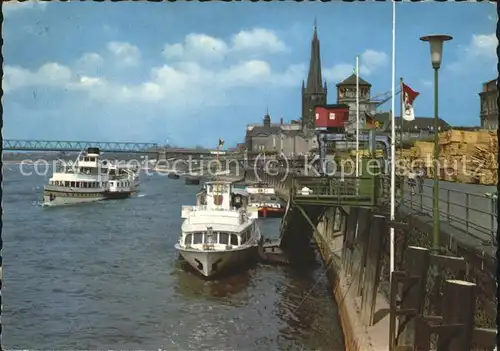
{"points": [[483, 225], [350, 188]]}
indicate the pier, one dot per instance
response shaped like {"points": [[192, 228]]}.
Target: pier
{"points": [[348, 220]]}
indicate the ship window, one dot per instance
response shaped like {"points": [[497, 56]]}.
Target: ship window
{"points": [[188, 239], [66, 183], [72, 184], [234, 240], [197, 238], [224, 238], [77, 184], [85, 158]]}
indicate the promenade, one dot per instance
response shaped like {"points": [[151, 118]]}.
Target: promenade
{"points": [[462, 206]]}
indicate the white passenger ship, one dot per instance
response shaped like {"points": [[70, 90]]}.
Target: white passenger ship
{"points": [[220, 232], [87, 180]]}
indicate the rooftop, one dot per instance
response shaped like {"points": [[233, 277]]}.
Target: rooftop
{"points": [[351, 80], [417, 123]]}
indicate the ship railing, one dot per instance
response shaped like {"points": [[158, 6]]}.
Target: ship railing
{"points": [[206, 208]]}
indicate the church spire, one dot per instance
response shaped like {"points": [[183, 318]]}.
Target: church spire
{"points": [[314, 78]]}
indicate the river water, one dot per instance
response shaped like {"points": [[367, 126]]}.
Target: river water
{"points": [[106, 276]]}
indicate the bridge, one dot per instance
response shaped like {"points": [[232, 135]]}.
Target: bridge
{"points": [[69, 146], [104, 146]]}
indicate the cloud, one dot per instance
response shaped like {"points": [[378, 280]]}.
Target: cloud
{"points": [[171, 83], [90, 62], [372, 60], [202, 47], [482, 47], [369, 62], [9, 7], [258, 39], [50, 74], [197, 47], [124, 53], [338, 72]]}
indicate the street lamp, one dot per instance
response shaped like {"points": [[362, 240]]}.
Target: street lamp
{"points": [[436, 44]]}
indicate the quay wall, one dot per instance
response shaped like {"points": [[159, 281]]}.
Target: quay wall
{"points": [[347, 275], [329, 236]]}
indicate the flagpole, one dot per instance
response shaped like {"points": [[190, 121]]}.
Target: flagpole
{"points": [[393, 138], [357, 116], [401, 100]]}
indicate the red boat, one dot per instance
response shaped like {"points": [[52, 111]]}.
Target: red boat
{"points": [[265, 200]]}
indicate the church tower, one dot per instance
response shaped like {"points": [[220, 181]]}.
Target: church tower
{"points": [[314, 93]]}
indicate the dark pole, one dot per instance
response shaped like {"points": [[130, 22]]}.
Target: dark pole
{"points": [[436, 165], [436, 45]]}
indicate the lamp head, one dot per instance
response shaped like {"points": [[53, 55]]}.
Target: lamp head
{"points": [[436, 43]]}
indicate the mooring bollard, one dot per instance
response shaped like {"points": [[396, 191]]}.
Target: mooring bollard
{"points": [[460, 297], [413, 292]]}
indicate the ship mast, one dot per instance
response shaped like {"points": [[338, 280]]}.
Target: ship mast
{"points": [[217, 185]]}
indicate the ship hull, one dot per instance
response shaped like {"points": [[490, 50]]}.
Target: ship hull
{"points": [[271, 212], [211, 263], [117, 195], [70, 198]]}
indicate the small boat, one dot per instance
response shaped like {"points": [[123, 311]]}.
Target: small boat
{"points": [[190, 180], [220, 233], [173, 175], [264, 199]]}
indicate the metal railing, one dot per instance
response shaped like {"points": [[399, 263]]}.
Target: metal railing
{"points": [[475, 214], [341, 189]]}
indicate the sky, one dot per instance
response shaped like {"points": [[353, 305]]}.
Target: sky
{"points": [[188, 73]]}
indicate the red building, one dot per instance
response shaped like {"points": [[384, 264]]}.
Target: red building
{"points": [[331, 117]]}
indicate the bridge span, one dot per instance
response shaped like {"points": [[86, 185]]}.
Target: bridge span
{"points": [[104, 146]]}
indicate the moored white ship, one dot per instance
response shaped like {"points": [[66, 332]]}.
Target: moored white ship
{"points": [[220, 232]]}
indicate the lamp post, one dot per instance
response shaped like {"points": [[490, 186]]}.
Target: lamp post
{"points": [[436, 45]]}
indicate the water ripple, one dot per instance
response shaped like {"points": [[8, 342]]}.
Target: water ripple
{"points": [[106, 276]]}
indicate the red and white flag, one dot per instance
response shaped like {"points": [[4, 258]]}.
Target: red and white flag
{"points": [[409, 96]]}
